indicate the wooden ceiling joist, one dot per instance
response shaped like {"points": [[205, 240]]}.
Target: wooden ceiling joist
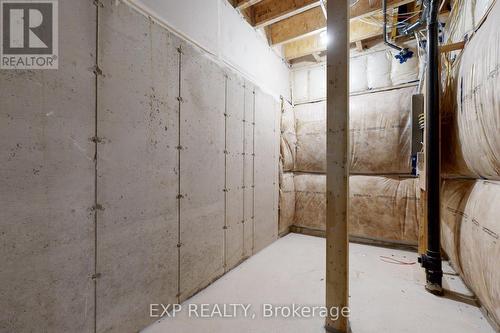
{"points": [[268, 12], [297, 26], [359, 30], [243, 4], [369, 7]]}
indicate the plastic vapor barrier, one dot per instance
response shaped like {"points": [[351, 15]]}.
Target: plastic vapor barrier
{"points": [[380, 125], [310, 201], [470, 236], [385, 208], [382, 208], [478, 101], [311, 137], [380, 69], [288, 138], [287, 202]]}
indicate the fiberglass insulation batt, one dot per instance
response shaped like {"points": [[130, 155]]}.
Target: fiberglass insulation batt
{"points": [[380, 127], [286, 202], [288, 139], [382, 208], [474, 115], [470, 236]]}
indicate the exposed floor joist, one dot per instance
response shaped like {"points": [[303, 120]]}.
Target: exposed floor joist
{"points": [[366, 8], [359, 30], [268, 12], [242, 4], [313, 20], [298, 26]]}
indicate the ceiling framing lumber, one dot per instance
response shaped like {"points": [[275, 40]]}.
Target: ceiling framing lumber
{"points": [[303, 47], [359, 30], [297, 26], [313, 20], [369, 7], [243, 4], [268, 12]]}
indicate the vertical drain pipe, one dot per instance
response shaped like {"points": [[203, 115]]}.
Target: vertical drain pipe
{"points": [[431, 261]]}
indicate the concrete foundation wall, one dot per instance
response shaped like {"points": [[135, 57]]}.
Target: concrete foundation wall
{"points": [[137, 173], [137, 113], [47, 120]]}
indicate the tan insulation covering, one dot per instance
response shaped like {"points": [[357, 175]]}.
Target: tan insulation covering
{"points": [[378, 68], [287, 202], [380, 207], [378, 72], [470, 236], [465, 17], [288, 138], [311, 146], [380, 125], [407, 71], [357, 74], [311, 137], [384, 208], [453, 163], [478, 101], [380, 133], [310, 201]]}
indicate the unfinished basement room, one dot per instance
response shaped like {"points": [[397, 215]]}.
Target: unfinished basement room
{"points": [[250, 166]]}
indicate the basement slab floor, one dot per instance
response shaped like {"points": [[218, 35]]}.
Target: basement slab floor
{"points": [[386, 294]]}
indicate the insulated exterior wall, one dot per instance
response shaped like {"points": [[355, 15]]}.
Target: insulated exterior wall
{"points": [[470, 236], [380, 125], [408, 71], [311, 137], [452, 159], [47, 120], [309, 84], [266, 182], [310, 201], [235, 105], [202, 127], [478, 101], [376, 68], [286, 202], [288, 141], [465, 17], [382, 208], [137, 163], [357, 74]]}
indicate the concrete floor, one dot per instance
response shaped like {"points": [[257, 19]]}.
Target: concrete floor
{"points": [[385, 296]]}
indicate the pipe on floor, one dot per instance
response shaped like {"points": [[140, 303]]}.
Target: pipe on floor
{"points": [[431, 260]]}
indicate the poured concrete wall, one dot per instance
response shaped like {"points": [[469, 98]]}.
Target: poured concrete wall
{"points": [[266, 170], [47, 120], [138, 181], [137, 178]]}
